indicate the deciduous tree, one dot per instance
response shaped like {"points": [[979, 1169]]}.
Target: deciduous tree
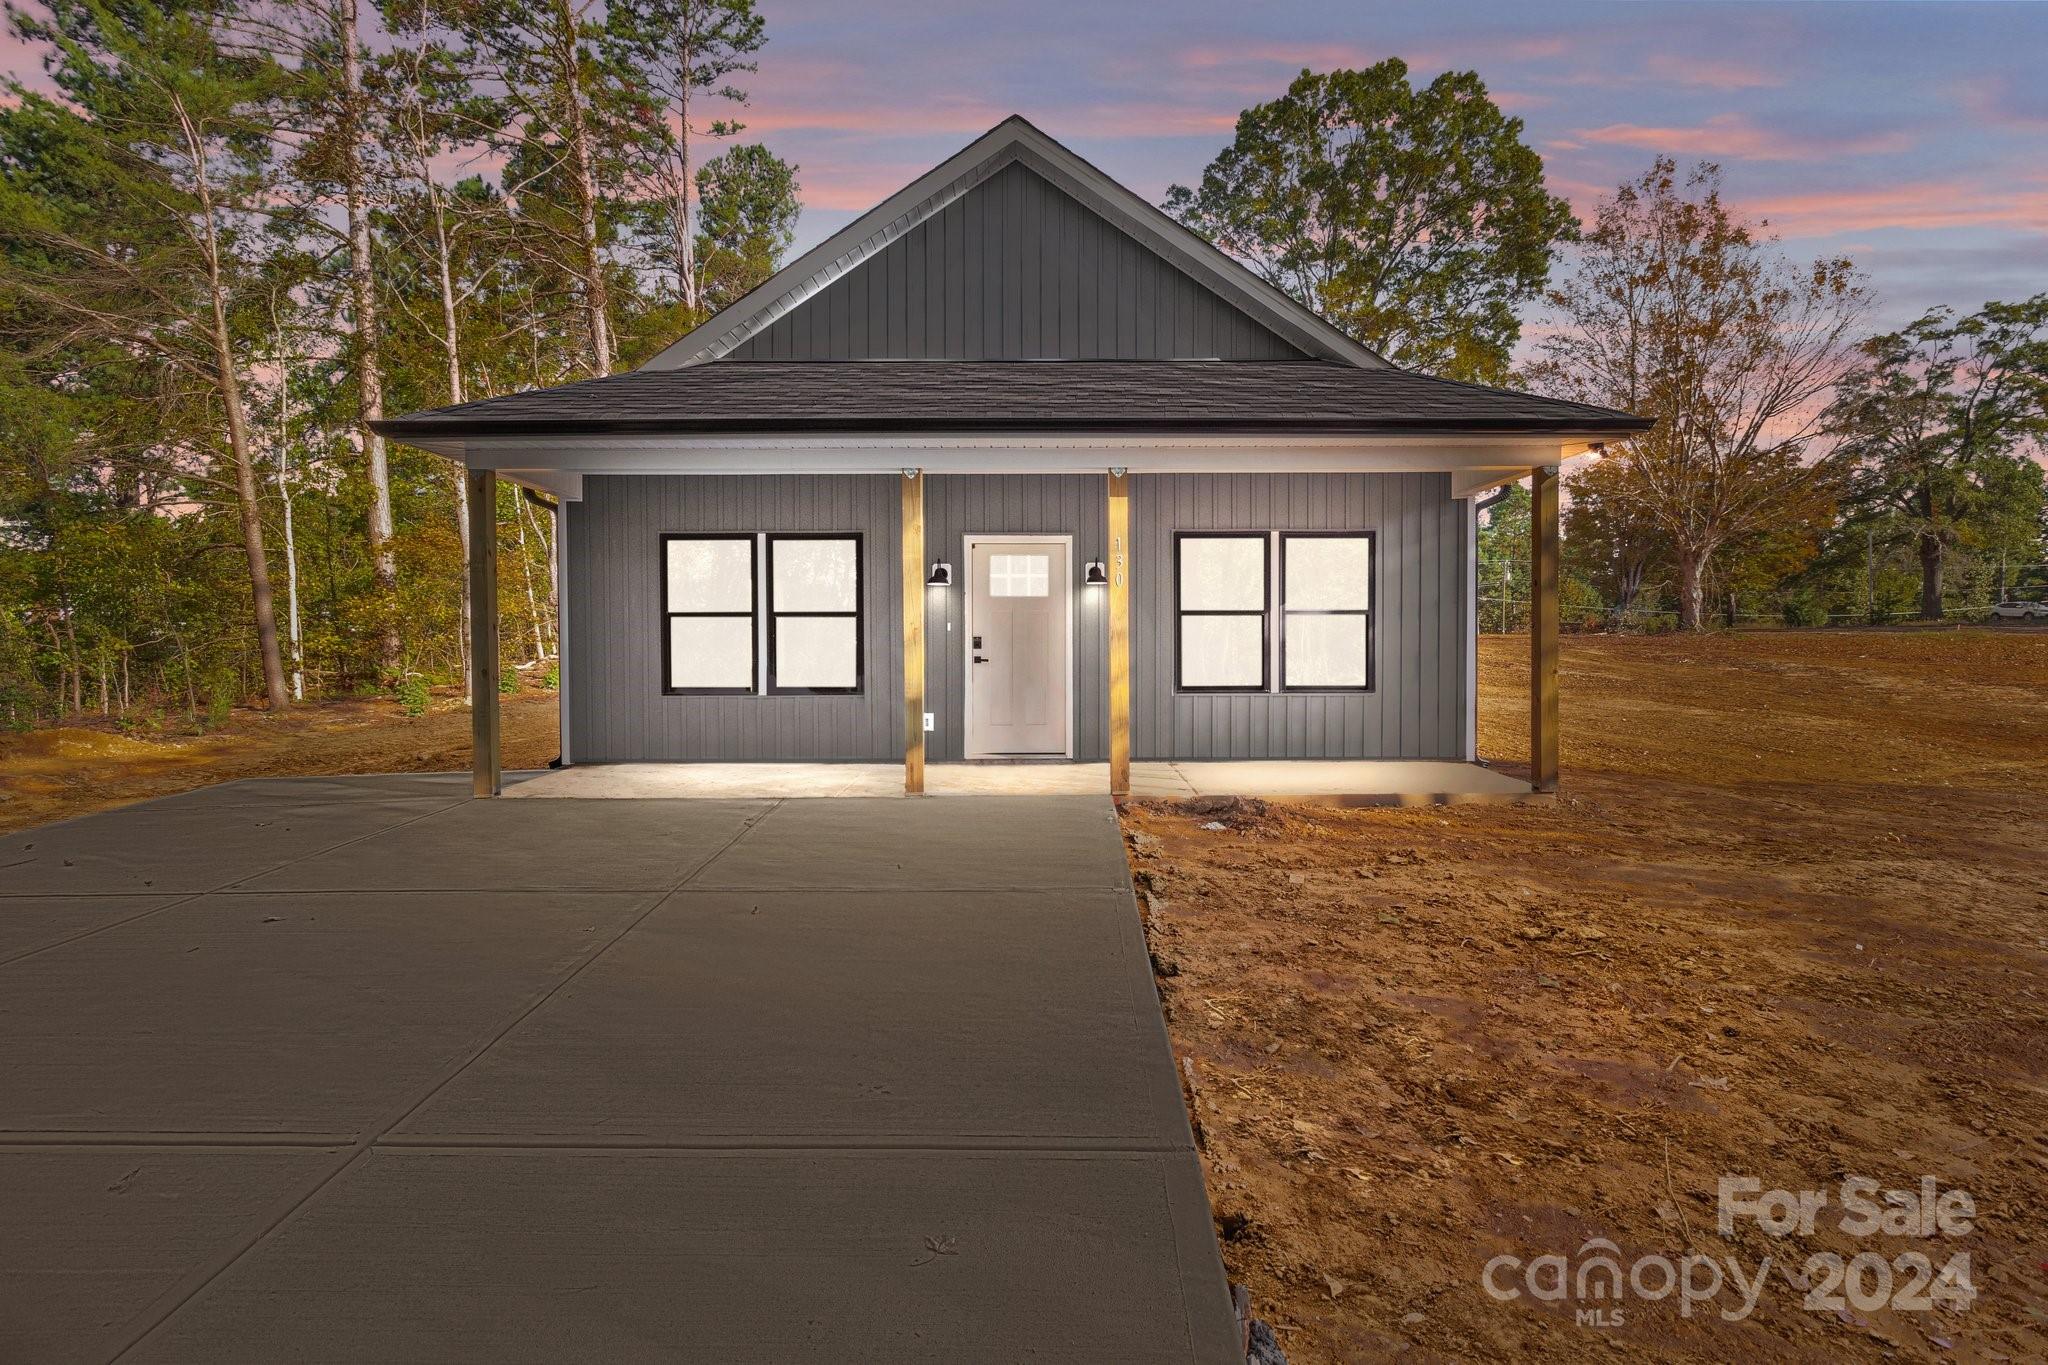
{"points": [[1415, 219], [1934, 421], [1678, 310]]}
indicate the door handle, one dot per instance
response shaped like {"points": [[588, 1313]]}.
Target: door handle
{"points": [[978, 659]]}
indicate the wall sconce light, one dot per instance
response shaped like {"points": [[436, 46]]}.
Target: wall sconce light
{"points": [[941, 575], [1096, 575]]}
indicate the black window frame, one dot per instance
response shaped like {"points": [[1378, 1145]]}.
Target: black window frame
{"points": [[1370, 611], [753, 615], [858, 614], [1265, 614]]}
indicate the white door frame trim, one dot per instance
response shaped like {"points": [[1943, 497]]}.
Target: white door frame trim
{"points": [[968, 541]]}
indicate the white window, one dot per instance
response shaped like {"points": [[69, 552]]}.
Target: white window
{"points": [[1325, 612], [1220, 583], [1019, 575], [708, 614], [814, 613]]}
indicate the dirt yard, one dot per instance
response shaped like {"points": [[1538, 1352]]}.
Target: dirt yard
{"points": [[48, 775], [1789, 920]]}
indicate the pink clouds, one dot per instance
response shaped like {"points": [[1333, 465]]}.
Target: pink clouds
{"points": [[1707, 73], [1999, 100], [1735, 136], [1924, 204]]}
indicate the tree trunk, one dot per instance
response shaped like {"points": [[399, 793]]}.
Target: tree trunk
{"points": [[1692, 604], [368, 348], [583, 156], [238, 425], [685, 227], [1930, 576], [284, 495], [451, 350]]}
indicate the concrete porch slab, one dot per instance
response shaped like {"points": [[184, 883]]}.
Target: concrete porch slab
{"points": [[1351, 782], [1359, 782], [501, 1256]]}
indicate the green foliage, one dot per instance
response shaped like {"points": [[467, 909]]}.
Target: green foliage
{"points": [[749, 219], [1805, 608], [552, 679], [1415, 219], [1504, 563], [508, 683], [412, 694], [126, 581], [1939, 425]]}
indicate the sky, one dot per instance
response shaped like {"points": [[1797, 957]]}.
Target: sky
{"points": [[1911, 137]]}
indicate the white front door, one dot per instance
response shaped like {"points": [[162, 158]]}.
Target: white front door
{"points": [[1018, 638]]}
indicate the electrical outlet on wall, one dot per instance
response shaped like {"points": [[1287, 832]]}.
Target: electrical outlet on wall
{"points": [[931, 722]]}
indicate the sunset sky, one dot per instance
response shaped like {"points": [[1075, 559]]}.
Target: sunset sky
{"points": [[1913, 137]]}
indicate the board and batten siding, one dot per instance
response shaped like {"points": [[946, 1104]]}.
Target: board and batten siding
{"points": [[958, 505], [1015, 269], [1417, 708], [617, 710]]}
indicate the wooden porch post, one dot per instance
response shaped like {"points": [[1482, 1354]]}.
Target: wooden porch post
{"points": [[913, 632], [1543, 628], [483, 631], [1119, 634]]}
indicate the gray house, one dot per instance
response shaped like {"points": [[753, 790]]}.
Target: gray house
{"points": [[1015, 467]]}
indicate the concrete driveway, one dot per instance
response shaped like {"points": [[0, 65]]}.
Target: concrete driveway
{"points": [[359, 1069]]}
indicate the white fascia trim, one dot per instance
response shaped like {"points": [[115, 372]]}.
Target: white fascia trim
{"points": [[1475, 461]]}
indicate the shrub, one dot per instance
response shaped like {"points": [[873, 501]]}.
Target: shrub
{"points": [[552, 679], [508, 683], [1805, 609], [412, 695]]}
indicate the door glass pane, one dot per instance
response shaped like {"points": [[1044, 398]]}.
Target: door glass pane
{"points": [[1327, 573], [814, 575], [815, 651], [711, 651], [1325, 651], [1223, 573], [710, 575], [1019, 575], [1222, 651]]}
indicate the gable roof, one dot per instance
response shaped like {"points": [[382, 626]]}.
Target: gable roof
{"points": [[1015, 269], [868, 396], [1014, 141]]}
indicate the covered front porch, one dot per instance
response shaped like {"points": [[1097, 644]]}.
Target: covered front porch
{"points": [[1367, 782], [914, 558]]}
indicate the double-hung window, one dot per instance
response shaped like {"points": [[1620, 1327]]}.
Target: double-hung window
{"points": [[708, 597], [718, 590], [1325, 611], [814, 636], [1221, 608], [1231, 618]]}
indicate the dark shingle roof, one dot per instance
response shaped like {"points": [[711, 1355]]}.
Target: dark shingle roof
{"points": [[1068, 395]]}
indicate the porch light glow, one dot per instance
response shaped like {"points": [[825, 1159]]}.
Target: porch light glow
{"points": [[1096, 575], [941, 575]]}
